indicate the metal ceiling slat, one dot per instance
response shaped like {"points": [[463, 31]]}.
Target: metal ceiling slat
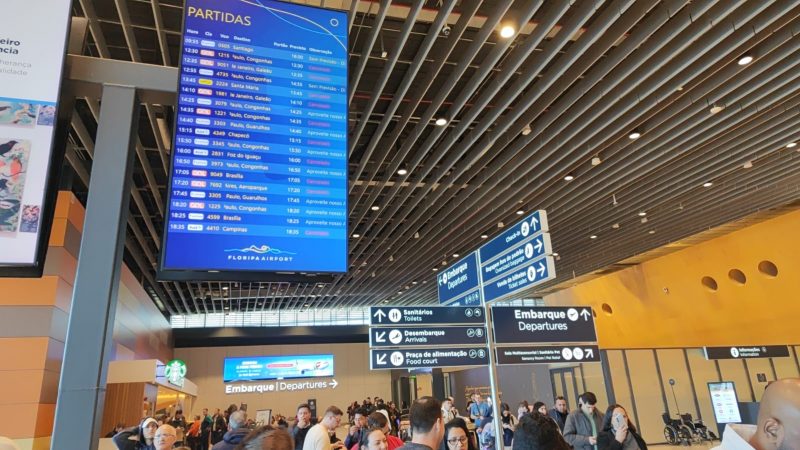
{"points": [[371, 39]]}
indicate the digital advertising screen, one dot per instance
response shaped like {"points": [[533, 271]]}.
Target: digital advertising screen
{"points": [[32, 51], [258, 368], [259, 168], [725, 402]]}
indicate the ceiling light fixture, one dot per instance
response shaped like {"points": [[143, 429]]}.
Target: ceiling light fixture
{"points": [[413, 282], [708, 184], [440, 122], [507, 31], [375, 208], [791, 145], [652, 231], [615, 226], [356, 235], [527, 130], [747, 165], [456, 255], [644, 220], [745, 60], [569, 177], [716, 108], [520, 212], [484, 236], [596, 161], [402, 172], [435, 269], [642, 213], [634, 135], [593, 236]]}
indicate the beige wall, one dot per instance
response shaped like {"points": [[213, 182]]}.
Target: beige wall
{"points": [[351, 368]]}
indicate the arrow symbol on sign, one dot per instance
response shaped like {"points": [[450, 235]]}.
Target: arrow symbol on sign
{"points": [[381, 360], [538, 245], [534, 222], [380, 315], [586, 314], [380, 336], [334, 383], [541, 269], [589, 353]]}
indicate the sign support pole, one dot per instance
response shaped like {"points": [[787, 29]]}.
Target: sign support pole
{"points": [[493, 379], [81, 393]]}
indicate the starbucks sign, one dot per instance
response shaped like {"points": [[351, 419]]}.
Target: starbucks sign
{"points": [[175, 372]]}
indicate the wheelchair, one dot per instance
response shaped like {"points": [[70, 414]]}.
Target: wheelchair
{"points": [[699, 430], [675, 431]]}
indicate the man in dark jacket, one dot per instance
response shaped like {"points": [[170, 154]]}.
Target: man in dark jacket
{"points": [[219, 425], [236, 432], [301, 426], [584, 424], [559, 413]]}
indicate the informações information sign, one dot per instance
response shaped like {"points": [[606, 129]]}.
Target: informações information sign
{"points": [[259, 167], [32, 49]]}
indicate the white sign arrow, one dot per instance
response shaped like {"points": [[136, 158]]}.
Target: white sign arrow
{"points": [[379, 314], [334, 383], [589, 353], [380, 336], [541, 269], [586, 315], [381, 360], [534, 222], [539, 245]]}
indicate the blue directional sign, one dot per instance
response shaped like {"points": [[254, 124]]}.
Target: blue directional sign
{"points": [[522, 254], [426, 315], [559, 324], [535, 272], [417, 336], [460, 280], [514, 235], [417, 358]]}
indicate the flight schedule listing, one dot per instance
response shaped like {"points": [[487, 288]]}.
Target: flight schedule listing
{"points": [[259, 167]]}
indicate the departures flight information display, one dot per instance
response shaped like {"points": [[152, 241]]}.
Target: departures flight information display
{"points": [[259, 167]]}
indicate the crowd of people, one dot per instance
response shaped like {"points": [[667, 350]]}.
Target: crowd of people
{"points": [[430, 424]]}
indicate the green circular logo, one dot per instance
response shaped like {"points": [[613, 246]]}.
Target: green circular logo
{"points": [[175, 372]]}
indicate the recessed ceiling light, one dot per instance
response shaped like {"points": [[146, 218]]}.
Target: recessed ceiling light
{"points": [[634, 135], [484, 236], [527, 130], [596, 161], [402, 172], [500, 224], [708, 184], [224, 288], [456, 255], [791, 145], [444, 262], [356, 235], [644, 220], [652, 231], [413, 282], [747, 165], [615, 226], [520, 212], [569, 177], [679, 88], [642, 213], [555, 254], [386, 301], [435, 269], [507, 31], [375, 208], [440, 122], [745, 60], [399, 292], [593, 237], [716, 108]]}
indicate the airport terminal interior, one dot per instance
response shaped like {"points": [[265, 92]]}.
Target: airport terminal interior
{"points": [[532, 218]]}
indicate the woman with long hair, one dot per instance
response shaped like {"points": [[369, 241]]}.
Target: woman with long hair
{"points": [[618, 433], [456, 436]]}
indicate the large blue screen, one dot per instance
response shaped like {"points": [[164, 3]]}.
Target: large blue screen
{"points": [[259, 167], [277, 367]]}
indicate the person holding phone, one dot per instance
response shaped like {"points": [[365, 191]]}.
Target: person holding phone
{"points": [[584, 424], [618, 433]]}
